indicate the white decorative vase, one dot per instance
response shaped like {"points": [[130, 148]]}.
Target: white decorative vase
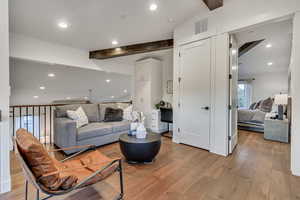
{"points": [[141, 132], [133, 128]]}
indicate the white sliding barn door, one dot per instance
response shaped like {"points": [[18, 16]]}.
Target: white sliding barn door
{"points": [[194, 94], [233, 96]]}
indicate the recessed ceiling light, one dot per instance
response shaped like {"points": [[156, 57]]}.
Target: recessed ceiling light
{"points": [[35, 97], [51, 75], [268, 45], [125, 91], [270, 63], [153, 7], [115, 42], [233, 51], [63, 25], [42, 88], [112, 97], [107, 80], [68, 98]]}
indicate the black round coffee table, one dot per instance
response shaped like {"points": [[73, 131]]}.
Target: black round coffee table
{"points": [[140, 150]]}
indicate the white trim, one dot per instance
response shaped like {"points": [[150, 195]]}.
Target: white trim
{"points": [[5, 186], [296, 172], [5, 177], [212, 95], [194, 38]]}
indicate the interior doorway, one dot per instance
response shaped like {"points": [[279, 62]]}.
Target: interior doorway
{"points": [[195, 97], [259, 82]]}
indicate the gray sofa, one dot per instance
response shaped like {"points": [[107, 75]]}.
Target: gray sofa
{"points": [[97, 132]]}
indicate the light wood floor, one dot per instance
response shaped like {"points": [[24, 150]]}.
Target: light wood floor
{"points": [[258, 170]]}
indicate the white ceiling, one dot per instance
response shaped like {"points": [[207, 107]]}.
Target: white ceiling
{"points": [[27, 76], [279, 34], [95, 23]]}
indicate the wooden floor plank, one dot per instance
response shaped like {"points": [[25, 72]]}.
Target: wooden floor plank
{"points": [[257, 170]]}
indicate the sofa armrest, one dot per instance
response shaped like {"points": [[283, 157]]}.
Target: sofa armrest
{"points": [[65, 132]]}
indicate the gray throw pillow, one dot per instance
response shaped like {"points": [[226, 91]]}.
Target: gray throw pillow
{"points": [[103, 107], [252, 106], [257, 105], [113, 115], [266, 105]]}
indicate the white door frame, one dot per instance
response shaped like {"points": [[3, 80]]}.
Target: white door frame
{"points": [[178, 46], [182, 47], [233, 84]]}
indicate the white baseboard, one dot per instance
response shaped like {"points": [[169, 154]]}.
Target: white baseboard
{"points": [[221, 153], [295, 172], [5, 186]]}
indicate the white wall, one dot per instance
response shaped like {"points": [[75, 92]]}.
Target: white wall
{"points": [[5, 182], [234, 15], [237, 14], [28, 48], [268, 84], [27, 76], [295, 91], [167, 75]]}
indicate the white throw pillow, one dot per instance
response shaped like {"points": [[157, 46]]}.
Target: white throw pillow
{"points": [[79, 116], [127, 113]]}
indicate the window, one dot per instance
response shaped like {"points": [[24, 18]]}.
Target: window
{"points": [[244, 95]]}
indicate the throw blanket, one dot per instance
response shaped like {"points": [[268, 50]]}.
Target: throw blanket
{"points": [[251, 115]]}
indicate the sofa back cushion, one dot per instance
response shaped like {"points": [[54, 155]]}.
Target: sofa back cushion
{"points": [[103, 106], [91, 111], [40, 163]]}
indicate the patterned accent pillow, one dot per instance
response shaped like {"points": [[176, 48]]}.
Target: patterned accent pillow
{"points": [[79, 116], [127, 113]]}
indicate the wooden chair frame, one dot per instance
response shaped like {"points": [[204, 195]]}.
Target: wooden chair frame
{"points": [[29, 177]]}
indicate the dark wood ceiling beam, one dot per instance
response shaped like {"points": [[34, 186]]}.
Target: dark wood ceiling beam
{"points": [[213, 4], [132, 49], [248, 46]]}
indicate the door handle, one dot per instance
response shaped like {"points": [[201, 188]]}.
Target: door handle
{"points": [[205, 108]]}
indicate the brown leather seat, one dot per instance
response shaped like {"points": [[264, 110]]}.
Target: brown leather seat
{"points": [[85, 166], [53, 176]]}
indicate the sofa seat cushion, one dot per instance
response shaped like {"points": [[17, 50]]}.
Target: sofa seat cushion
{"points": [[120, 126], [94, 130]]}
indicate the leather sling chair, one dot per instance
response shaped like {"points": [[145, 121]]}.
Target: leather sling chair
{"points": [[54, 177]]}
